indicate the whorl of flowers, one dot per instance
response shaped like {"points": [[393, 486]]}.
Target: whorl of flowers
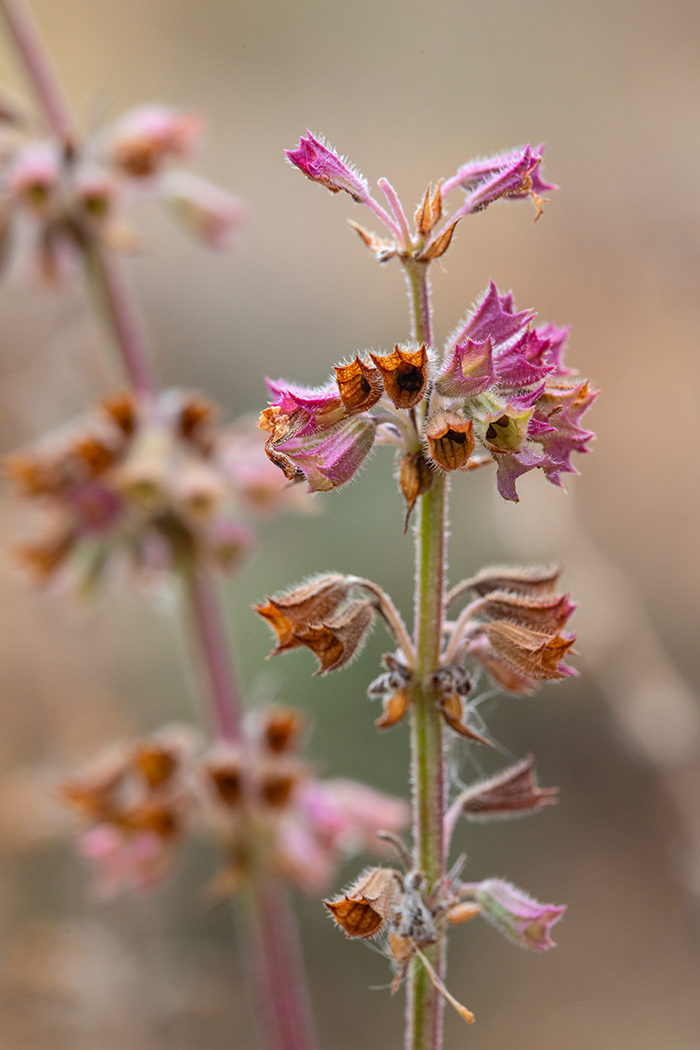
{"points": [[62, 197], [257, 799], [500, 393], [154, 480]]}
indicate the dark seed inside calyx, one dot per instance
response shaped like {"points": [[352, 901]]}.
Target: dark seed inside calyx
{"points": [[364, 385], [410, 380], [456, 437]]}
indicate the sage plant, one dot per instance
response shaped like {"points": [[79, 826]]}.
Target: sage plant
{"points": [[497, 393]]}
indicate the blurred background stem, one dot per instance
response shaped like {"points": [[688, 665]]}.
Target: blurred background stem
{"points": [[275, 961]]}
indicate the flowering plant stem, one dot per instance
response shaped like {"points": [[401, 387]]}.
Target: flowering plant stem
{"points": [[277, 962], [283, 1007], [424, 1002]]}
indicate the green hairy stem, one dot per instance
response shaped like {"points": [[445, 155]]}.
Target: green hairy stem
{"points": [[424, 1002]]}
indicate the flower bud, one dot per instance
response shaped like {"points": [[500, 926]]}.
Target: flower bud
{"points": [[520, 918], [323, 165]]}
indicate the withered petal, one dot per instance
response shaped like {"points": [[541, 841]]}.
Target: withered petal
{"points": [[395, 707], [513, 792], [452, 709]]}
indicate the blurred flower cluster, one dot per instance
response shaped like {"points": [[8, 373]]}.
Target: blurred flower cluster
{"points": [[256, 798], [151, 478], [59, 198]]}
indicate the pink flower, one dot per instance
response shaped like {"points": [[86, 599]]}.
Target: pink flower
{"points": [[323, 165], [520, 918], [335, 460], [124, 861], [350, 814], [207, 212], [146, 136], [513, 175]]}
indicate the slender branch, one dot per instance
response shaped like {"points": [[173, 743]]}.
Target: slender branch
{"points": [[39, 69], [397, 208], [277, 966], [208, 624], [116, 303], [391, 616], [457, 592], [453, 646], [383, 216]]}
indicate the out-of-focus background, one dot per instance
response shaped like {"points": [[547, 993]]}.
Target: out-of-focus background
{"points": [[409, 90]]}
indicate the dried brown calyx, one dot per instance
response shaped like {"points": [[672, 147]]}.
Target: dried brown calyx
{"points": [[514, 792], [453, 684], [393, 688], [451, 439], [366, 906], [360, 386], [532, 581], [322, 617], [281, 729], [415, 478], [405, 375], [429, 211], [536, 654]]}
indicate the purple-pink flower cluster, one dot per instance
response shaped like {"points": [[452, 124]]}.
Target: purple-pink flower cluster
{"points": [[501, 387]]}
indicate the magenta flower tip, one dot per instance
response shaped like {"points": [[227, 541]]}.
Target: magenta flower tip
{"points": [[520, 918], [323, 165]]}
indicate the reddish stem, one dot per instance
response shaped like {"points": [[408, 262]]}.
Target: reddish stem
{"points": [[111, 286], [208, 622], [278, 968], [39, 69]]}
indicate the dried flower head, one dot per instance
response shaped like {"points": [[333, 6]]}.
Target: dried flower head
{"points": [[64, 200], [155, 481], [139, 800], [515, 626], [501, 390], [257, 798], [322, 616]]}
